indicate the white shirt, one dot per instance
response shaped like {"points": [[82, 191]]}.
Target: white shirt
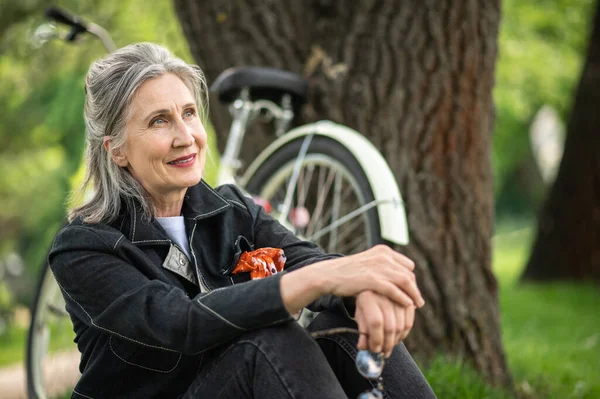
{"points": [[175, 229]]}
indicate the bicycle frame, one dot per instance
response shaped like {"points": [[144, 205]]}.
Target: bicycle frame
{"points": [[244, 111], [388, 200]]}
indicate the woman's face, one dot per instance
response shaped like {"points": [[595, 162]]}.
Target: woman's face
{"points": [[166, 141]]}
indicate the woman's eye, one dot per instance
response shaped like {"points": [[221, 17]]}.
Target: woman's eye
{"points": [[158, 121], [189, 113]]}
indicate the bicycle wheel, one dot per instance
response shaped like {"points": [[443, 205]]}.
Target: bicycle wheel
{"points": [[50, 327], [323, 196]]}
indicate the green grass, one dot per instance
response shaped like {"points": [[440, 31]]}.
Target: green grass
{"points": [[551, 335], [452, 378], [12, 343], [551, 331]]}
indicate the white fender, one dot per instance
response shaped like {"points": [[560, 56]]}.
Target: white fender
{"points": [[390, 207]]}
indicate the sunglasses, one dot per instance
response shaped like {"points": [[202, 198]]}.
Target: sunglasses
{"points": [[370, 365]]}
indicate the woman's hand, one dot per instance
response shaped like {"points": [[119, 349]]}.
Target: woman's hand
{"points": [[379, 269], [382, 323]]}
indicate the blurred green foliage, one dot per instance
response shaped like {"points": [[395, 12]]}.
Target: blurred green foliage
{"points": [[41, 107], [542, 44], [541, 50]]}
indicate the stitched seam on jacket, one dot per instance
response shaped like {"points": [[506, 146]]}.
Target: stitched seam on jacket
{"points": [[237, 193], [117, 243], [110, 331], [211, 212], [205, 294], [114, 332], [139, 365], [109, 246], [262, 325], [137, 242], [80, 394], [90, 317], [134, 223], [214, 191], [239, 204], [219, 316]]}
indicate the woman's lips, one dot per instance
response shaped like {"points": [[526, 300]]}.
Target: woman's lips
{"points": [[183, 162]]}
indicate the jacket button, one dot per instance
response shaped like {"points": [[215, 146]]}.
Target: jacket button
{"points": [[182, 261]]}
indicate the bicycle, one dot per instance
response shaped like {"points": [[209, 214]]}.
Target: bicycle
{"points": [[324, 181]]}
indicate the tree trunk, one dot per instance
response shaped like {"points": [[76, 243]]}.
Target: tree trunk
{"points": [[415, 78], [567, 245]]}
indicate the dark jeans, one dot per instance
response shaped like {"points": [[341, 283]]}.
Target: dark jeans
{"points": [[284, 361]]}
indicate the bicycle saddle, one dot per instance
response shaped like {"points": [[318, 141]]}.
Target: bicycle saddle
{"points": [[263, 83]]}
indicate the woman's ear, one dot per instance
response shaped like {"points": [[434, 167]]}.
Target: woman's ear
{"points": [[118, 155]]}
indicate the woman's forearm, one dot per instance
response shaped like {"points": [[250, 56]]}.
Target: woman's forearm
{"points": [[302, 287], [379, 269]]}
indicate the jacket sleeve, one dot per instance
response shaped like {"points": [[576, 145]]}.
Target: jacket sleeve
{"points": [[108, 293], [268, 232]]}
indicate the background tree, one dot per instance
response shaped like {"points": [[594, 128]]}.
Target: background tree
{"points": [[541, 53], [567, 245], [416, 78]]}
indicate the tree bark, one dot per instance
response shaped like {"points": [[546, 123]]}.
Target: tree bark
{"points": [[567, 246], [415, 78]]}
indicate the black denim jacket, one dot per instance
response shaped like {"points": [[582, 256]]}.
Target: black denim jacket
{"points": [[140, 320]]}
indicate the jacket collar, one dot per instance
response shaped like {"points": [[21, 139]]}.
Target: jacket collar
{"points": [[200, 201]]}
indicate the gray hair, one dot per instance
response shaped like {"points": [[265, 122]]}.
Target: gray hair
{"points": [[110, 86]]}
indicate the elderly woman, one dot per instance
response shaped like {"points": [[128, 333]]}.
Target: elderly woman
{"points": [[145, 265]]}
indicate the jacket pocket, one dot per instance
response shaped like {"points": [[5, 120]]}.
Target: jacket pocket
{"points": [[240, 245], [148, 358]]}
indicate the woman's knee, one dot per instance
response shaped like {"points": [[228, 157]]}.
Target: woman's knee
{"points": [[286, 353], [287, 339], [401, 374]]}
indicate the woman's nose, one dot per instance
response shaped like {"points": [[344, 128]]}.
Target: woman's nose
{"points": [[183, 135]]}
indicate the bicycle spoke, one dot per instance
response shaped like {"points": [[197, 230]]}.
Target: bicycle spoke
{"points": [[343, 220], [319, 182], [306, 180], [338, 215], [358, 244], [345, 202], [289, 195], [352, 228], [335, 211], [321, 196]]}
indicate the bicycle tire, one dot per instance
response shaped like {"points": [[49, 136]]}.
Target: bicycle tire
{"points": [[47, 296], [322, 150]]}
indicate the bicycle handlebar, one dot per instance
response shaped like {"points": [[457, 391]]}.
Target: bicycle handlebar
{"points": [[62, 16], [79, 26]]}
